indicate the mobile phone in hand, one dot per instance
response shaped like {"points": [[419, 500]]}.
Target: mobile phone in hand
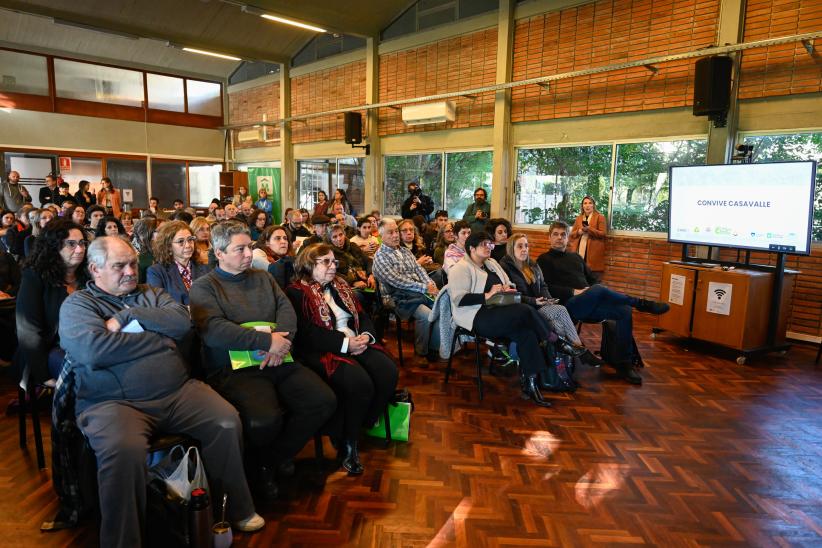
{"points": [[584, 223]]}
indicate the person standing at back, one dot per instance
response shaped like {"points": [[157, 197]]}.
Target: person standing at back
{"points": [[49, 194], [417, 203], [14, 195], [588, 236], [109, 197], [478, 212]]}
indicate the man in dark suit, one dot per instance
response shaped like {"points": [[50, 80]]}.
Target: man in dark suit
{"points": [[50, 194]]}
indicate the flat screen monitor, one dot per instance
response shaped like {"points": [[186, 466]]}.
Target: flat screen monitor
{"points": [[767, 207]]}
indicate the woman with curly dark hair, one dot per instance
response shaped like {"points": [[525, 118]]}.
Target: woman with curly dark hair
{"points": [[174, 270], [55, 269], [144, 230], [273, 253], [110, 226]]}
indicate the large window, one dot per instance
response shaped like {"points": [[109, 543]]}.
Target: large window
{"points": [[203, 183], [328, 175], [102, 84], [168, 181], [23, 73], [449, 178], [640, 198], [796, 146], [551, 182]]}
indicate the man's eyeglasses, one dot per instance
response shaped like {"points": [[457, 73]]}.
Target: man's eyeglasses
{"points": [[328, 262], [184, 241], [489, 244], [72, 244]]}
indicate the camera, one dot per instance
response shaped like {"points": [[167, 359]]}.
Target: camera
{"points": [[416, 192]]}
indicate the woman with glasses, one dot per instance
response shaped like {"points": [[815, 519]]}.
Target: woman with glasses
{"points": [[456, 251], [273, 253], [174, 270], [110, 226], [201, 227], [336, 339], [257, 222], [55, 269], [475, 280], [445, 237]]}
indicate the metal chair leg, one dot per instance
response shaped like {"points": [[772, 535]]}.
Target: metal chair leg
{"points": [[387, 420], [479, 366], [35, 419], [21, 414], [451, 356], [399, 338]]}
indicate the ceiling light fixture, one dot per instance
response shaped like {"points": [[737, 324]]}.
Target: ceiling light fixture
{"points": [[212, 54], [290, 22]]}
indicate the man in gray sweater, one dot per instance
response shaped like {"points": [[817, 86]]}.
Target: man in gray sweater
{"points": [[282, 404], [14, 195], [131, 383]]}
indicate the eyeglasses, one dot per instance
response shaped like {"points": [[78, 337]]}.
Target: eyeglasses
{"points": [[328, 262], [489, 244], [184, 241], [72, 244]]}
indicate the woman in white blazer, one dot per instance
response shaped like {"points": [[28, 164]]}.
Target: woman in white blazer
{"points": [[472, 282]]}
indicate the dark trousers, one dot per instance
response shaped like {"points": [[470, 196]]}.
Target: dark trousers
{"points": [[281, 407], [363, 390], [599, 303], [520, 323]]}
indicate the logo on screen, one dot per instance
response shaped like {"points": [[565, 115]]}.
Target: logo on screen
{"points": [[719, 294]]}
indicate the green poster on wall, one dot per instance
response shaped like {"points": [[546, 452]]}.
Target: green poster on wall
{"points": [[269, 179]]}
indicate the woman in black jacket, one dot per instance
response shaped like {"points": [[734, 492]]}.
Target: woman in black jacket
{"points": [[527, 276], [336, 339], [55, 269]]}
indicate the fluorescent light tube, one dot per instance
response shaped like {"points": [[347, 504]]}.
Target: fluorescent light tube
{"points": [[290, 22], [212, 54]]}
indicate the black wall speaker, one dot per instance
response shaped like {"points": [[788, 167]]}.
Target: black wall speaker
{"points": [[712, 85], [353, 128]]}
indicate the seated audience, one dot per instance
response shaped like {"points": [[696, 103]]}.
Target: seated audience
{"points": [[38, 219], [110, 226], [94, 215], [290, 401], [201, 227], [306, 218], [127, 220], [364, 238], [9, 284], [242, 197], [574, 284], [67, 204], [178, 204], [472, 282], [76, 214], [174, 270], [411, 240], [339, 216], [273, 253], [456, 251], [295, 225], [336, 339], [432, 230], [258, 222], [144, 230], [19, 231], [63, 194], [132, 384], [54, 270], [527, 277], [319, 224], [408, 285], [7, 220], [445, 238], [232, 213], [501, 230]]}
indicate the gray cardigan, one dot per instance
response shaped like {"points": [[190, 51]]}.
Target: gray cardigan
{"points": [[466, 277]]}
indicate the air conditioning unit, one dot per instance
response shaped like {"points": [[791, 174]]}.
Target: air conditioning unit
{"points": [[251, 135], [429, 113]]}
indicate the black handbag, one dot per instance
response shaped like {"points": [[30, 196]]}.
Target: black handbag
{"points": [[504, 299]]}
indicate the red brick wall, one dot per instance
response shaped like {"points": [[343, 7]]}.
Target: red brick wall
{"points": [[634, 266], [338, 87], [784, 69], [603, 33], [453, 64], [249, 105]]}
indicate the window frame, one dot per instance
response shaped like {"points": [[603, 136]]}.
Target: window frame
{"points": [[612, 174]]}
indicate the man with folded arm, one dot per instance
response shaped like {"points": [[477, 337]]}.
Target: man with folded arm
{"points": [[282, 404], [132, 383]]}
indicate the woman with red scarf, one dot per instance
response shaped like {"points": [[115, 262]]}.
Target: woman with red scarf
{"points": [[336, 339]]}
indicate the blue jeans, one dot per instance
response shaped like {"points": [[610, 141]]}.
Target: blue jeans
{"points": [[599, 303]]}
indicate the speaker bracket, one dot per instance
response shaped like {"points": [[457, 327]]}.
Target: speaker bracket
{"points": [[546, 86], [808, 46], [651, 68], [366, 146]]}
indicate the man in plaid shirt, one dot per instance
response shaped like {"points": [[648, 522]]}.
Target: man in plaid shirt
{"points": [[408, 285]]}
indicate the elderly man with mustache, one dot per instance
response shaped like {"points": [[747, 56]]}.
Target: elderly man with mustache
{"points": [[120, 340]]}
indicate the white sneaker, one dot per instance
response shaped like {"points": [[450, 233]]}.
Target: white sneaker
{"points": [[250, 524]]}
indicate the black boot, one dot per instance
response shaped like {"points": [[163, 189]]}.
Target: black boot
{"points": [[351, 462], [590, 359], [266, 484], [530, 390], [569, 348], [627, 372], [652, 307]]}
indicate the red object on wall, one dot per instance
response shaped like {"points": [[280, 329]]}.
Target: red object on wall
{"points": [[65, 164]]}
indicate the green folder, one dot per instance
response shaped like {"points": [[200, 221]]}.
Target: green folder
{"points": [[241, 359]]}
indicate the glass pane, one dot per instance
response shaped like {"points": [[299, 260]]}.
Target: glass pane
{"points": [[84, 169], [425, 169], [350, 177], [797, 146], [168, 182], [129, 174], [464, 173], [314, 176], [203, 183], [89, 82], [165, 92], [551, 182], [23, 73], [641, 185], [203, 98]]}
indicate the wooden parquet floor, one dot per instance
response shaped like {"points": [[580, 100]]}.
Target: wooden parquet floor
{"points": [[706, 453]]}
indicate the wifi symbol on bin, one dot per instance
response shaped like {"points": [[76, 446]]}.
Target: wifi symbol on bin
{"points": [[720, 293]]}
